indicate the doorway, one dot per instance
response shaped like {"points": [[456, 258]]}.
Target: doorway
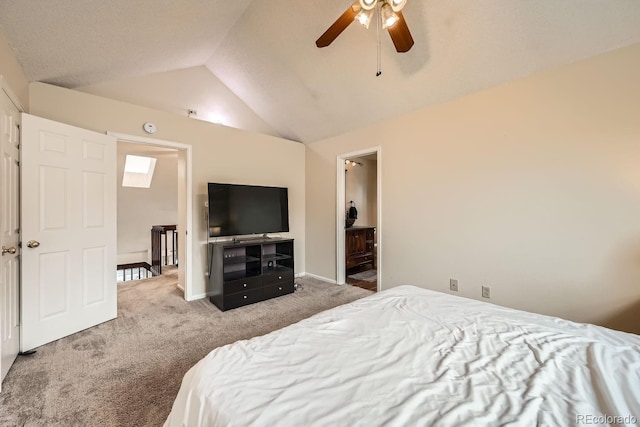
{"points": [[358, 218], [147, 194], [184, 199]]}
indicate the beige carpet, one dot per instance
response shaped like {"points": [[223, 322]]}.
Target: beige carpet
{"points": [[127, 372]]}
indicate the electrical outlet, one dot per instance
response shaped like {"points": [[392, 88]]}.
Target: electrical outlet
{"points": [[453, 284], [486, 292]]}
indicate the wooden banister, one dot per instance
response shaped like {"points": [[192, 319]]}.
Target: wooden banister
{"points": [[164, 240]]}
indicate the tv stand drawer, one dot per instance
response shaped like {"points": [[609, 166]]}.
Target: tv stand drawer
{"points": [[277, 290], [242, 298], [242, 285], [279, 278]]}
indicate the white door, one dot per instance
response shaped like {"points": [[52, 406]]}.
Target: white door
{"points": [[68, 230], [9, 233]]}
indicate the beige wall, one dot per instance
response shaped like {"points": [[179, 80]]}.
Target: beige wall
{"points": [[141, 208], [220, 154], [12, 72], [531, 188]]}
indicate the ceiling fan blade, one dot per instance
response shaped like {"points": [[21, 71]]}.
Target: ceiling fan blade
{"points": [[400, 34], [339, 26]]}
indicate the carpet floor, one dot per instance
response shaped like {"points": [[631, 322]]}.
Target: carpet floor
{"points": [[367, 276], [127, 372]]}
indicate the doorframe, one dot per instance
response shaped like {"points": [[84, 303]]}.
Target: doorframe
{"points": [[188, 149], [340, 212], [6, 88]]}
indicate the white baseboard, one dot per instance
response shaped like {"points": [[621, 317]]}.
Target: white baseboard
{"points": [[200, 296], [324, 279]]}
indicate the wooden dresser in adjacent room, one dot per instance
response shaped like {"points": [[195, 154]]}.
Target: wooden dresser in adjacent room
{"points": [[359, 244]]}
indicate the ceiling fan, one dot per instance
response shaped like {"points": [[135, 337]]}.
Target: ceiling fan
{"points": [[389, 15]]}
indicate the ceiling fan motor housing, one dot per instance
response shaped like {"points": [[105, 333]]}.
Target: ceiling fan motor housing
{"points": [[396, 5], [368, 4]]}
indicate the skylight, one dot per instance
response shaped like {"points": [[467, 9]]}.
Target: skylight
{"points": [[138, 171]]}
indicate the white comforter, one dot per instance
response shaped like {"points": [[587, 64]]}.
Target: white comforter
{"points": [[412, 357]]}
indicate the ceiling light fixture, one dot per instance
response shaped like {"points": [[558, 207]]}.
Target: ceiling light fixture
{"points": [[352, 163], [389, 17], [364, 17]]}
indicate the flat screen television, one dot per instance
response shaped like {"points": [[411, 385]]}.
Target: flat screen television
{"points": [[236, 210]]}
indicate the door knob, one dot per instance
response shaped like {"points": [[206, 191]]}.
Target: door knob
{"points": [[33, 244], [11, 250]]}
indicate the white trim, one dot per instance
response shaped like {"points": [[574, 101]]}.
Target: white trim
{"points": [[188, 271], [324, 279], [340, 219], [340, 198], [201, 296], [149, 141], [4, 84]]}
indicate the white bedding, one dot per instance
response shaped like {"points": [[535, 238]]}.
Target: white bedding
{"points": [[413, 357]]}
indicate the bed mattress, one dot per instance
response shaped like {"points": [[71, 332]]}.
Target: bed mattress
{"points": [[413, 357]]}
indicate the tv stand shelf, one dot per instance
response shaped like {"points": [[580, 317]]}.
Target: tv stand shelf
{"points": [[240, 260], [276, 269], [249, 271], [270, 257], [235, 275]]}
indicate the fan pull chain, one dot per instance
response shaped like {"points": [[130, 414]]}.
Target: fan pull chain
{"points": [[378, 26]]}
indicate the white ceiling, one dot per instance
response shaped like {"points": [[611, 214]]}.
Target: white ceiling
{"points": [[268, 76]]}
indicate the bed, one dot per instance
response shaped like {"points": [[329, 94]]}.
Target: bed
{"points": [[413, 357]]}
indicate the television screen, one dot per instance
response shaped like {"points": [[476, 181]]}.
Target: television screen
{"points": [[236, 210]]}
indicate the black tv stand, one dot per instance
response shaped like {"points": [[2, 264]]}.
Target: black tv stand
{"points": [[247, 271]]}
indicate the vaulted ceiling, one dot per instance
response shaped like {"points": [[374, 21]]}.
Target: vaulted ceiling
{"points": [[253, 64]]}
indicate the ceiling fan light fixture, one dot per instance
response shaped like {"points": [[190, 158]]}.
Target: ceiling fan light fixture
{"points": [[397, 5], [368, 4], [389, 18], [364, 17]]}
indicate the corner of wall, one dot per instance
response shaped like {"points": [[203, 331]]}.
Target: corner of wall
{"points": [[12, 73]]}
